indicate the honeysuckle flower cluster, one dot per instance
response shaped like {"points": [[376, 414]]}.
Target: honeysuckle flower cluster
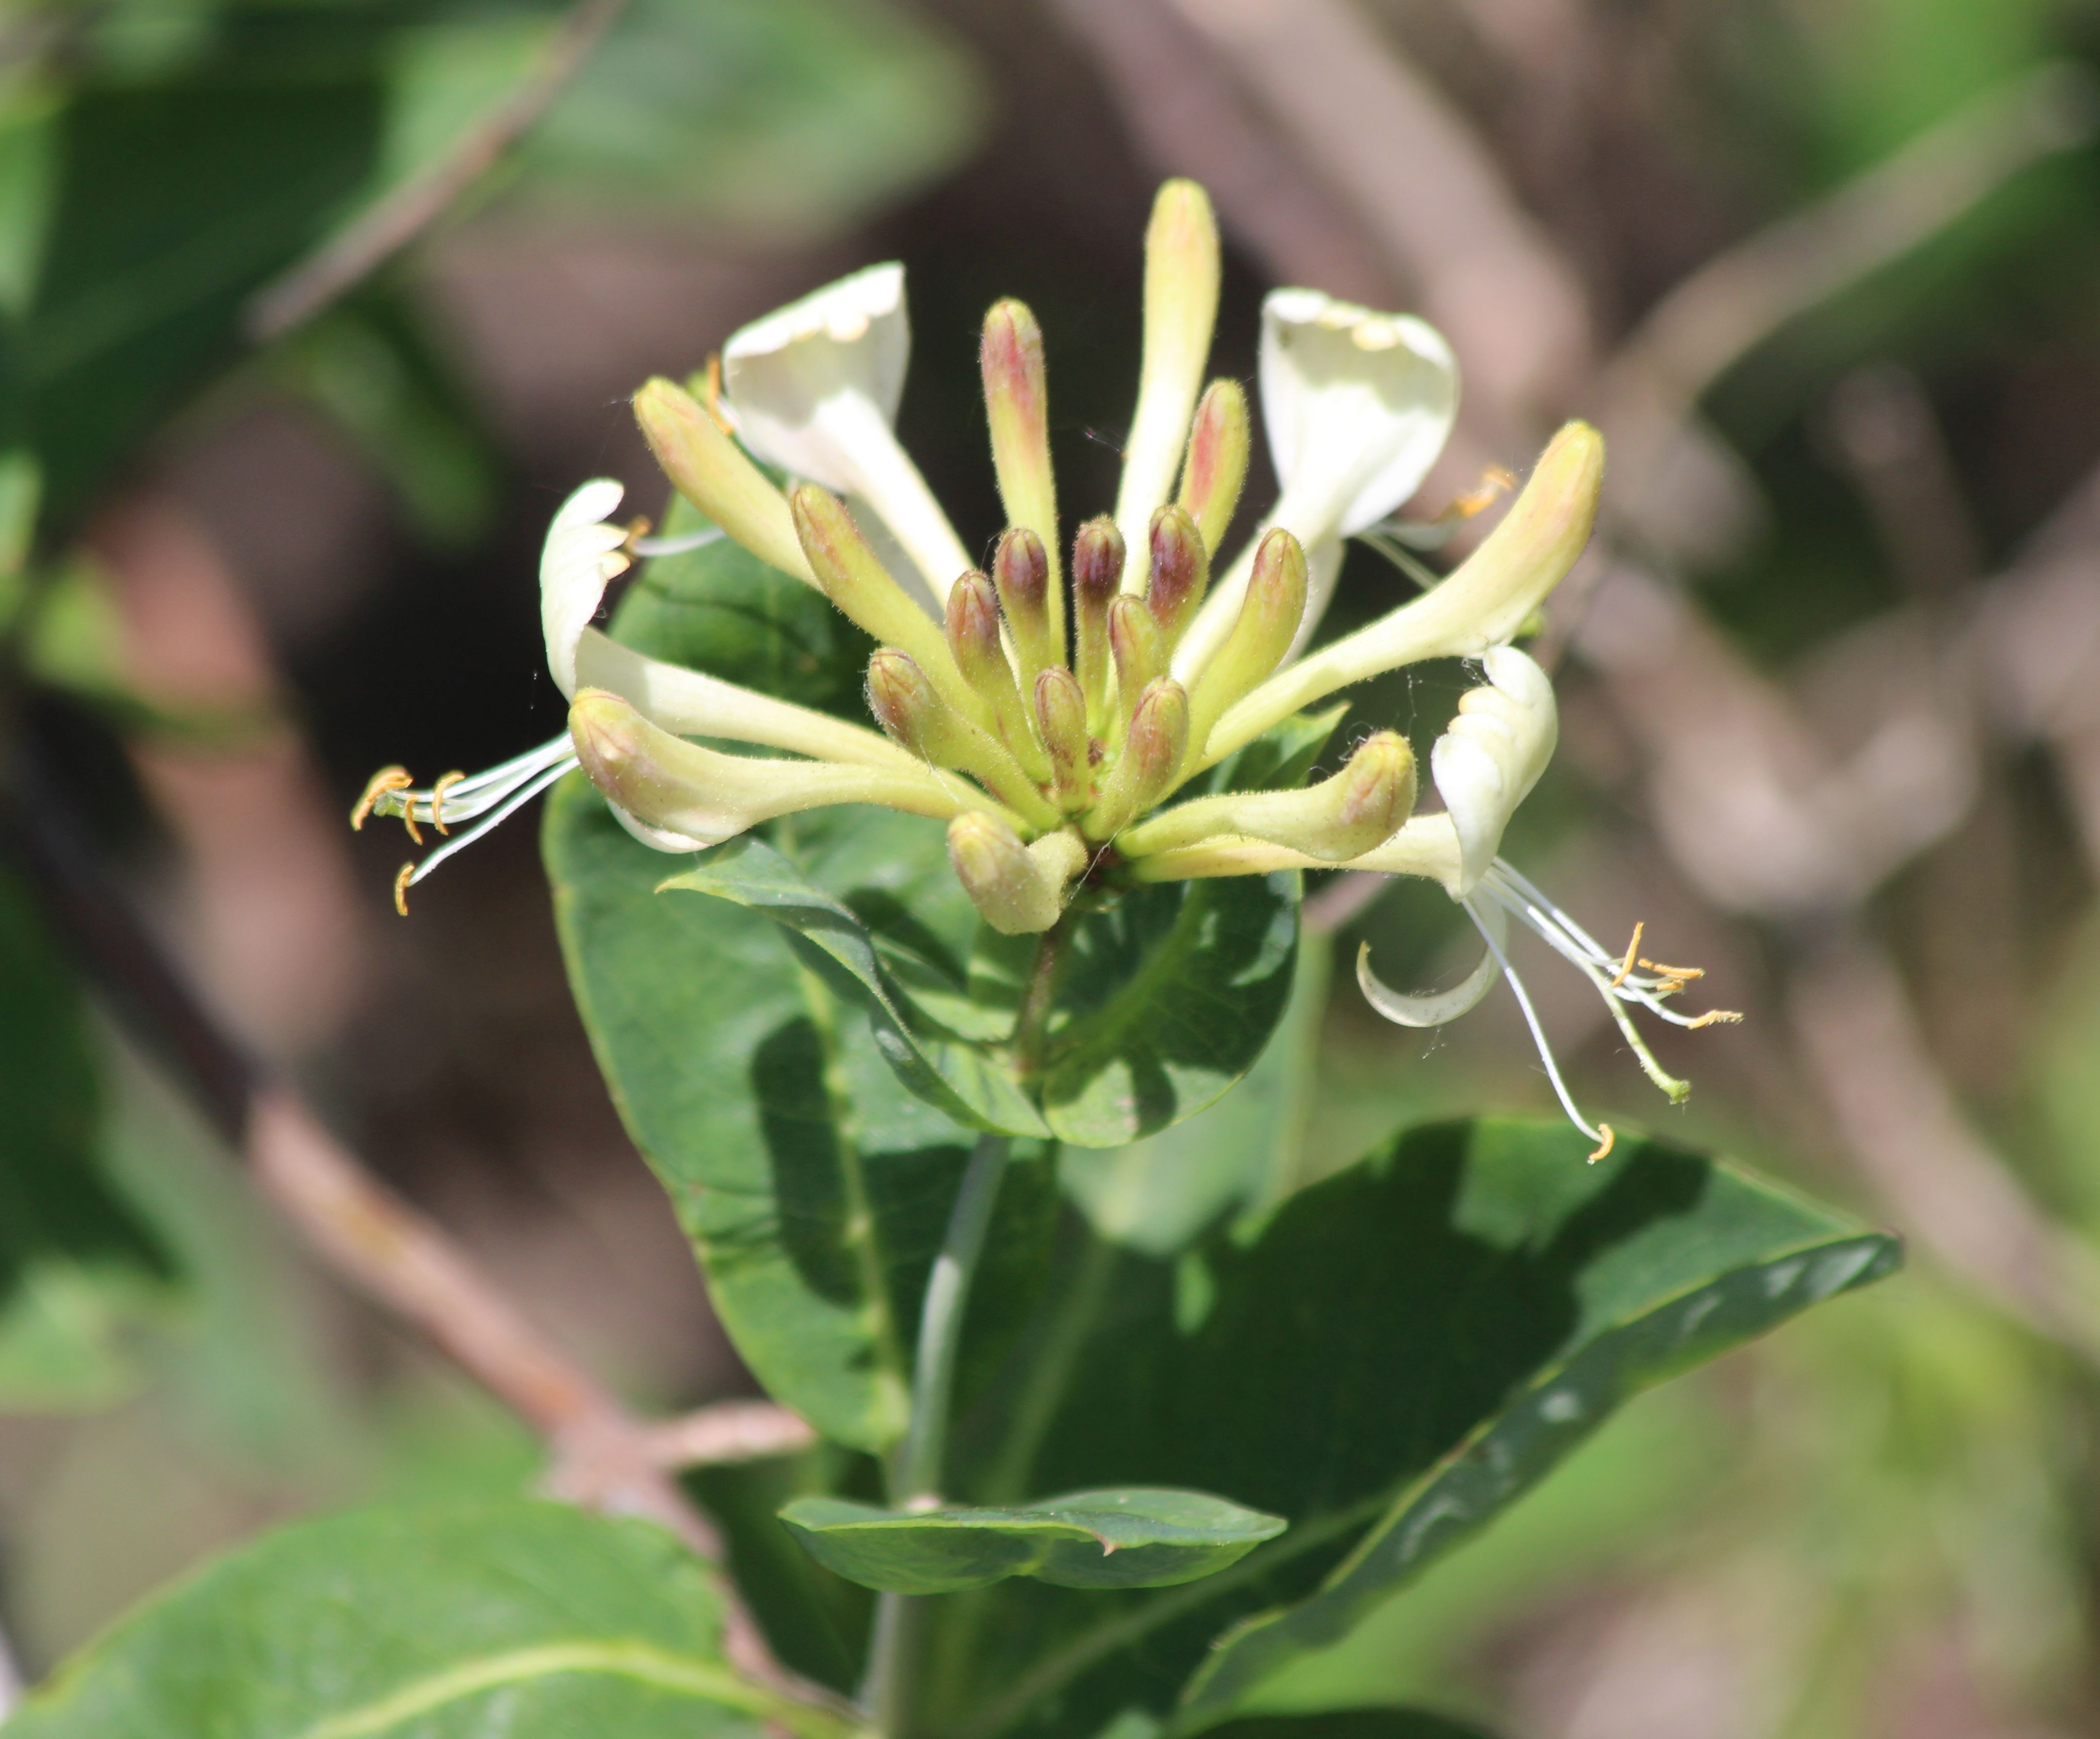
{"points": [[1050, 706]]}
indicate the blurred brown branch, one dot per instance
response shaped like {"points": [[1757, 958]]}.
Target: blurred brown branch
{"points": [[1741, 296], [601, 1455], [727, 1431], [374, 237]]}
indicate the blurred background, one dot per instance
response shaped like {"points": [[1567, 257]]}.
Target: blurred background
{"points": [[311, 313]]}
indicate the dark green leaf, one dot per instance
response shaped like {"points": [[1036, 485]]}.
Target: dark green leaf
{"points": [[961, 1079], [1401, 1351], [749, 1057], [172, 203], [81, 1273], [1164, 1000], [1135, 1537], [814, 1186], [1240, 1155], [521, 1620], [1166, 995]]}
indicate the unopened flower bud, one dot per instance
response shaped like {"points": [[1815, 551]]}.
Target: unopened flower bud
{"points": [[1180, 572], [712, 472], [680, 788], [853, 578], [1358, 809], [1019, 890], [905, 704], [1217, 462], [1060, 721], [1021, 571], [974, 639], [1150, 763], [1181, 275], [1268, 618], [1017, 405], [1137, 646], [1097, 554]]}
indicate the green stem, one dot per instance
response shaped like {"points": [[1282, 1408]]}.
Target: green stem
{"points": [[940, 1322], [915, 1482]]}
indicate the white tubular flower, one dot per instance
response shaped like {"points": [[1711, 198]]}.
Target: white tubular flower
{"points": [[1486, 763], [1483, 604], [1357, 405], [582, 557], [694, 797], [813, 387], [583, 554], [1054, 757]]}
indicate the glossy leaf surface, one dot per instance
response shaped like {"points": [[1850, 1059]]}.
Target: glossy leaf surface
{"points": [[1398, 1354], [522, 1620], [1135, 1537], [956, 1077]]}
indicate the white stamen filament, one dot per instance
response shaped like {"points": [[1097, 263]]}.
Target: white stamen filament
{"points": [[1533, 909], [1614, 997], [518, 796], [1600, 1134], [467, 798]]}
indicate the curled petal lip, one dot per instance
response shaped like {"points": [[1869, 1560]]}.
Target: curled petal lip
{"points": [[581, 557], [1370, 396]]}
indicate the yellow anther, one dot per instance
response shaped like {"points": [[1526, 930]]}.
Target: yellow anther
{"points": [[1495, 483], [1626, 965], [1604, 1146], [408, 820], [445, 783], [401, 888], [385, 780], [713, 396], [1683, 974], [640, 526], [1715, 1018]]}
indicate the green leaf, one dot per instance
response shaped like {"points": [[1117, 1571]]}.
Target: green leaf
{"points": [[1398, 1354], [80, 1274], [814, 1186], [1167, 995], [1135, 1537], [172, 202], [1158, 1194], [799, 1058], [1164, 1000], [959, 1078], [522, 1620]]}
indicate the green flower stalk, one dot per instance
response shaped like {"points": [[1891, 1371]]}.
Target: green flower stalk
{"points": [[1058, 738]]}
